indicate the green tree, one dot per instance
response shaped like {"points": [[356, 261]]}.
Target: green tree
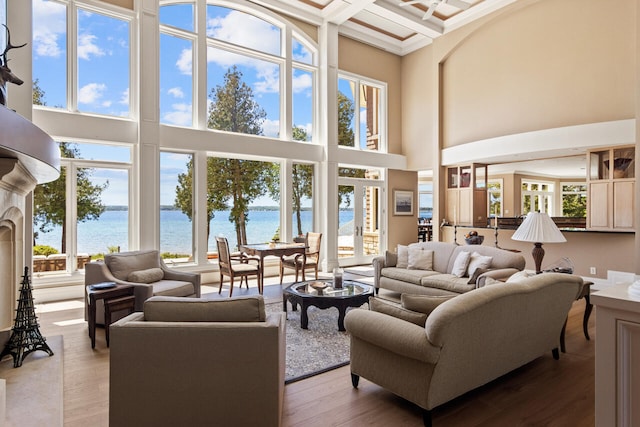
{"points": [[574, 201], [302, 181], [38, 93], [346, 137], [233, 182], [49, 200]]}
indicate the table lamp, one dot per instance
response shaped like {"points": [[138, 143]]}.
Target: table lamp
{"points": [[538, 228]]}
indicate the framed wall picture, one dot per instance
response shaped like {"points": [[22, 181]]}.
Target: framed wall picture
{"points": [[402, 202]]}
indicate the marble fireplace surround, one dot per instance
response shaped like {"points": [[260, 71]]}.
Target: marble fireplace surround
{"points": [[28, 156]]}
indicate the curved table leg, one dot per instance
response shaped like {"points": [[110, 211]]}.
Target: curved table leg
{"points": [[587, 312], [342, 310], [304, 318]]}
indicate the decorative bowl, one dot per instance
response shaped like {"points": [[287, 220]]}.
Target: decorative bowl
{"points": [[319, 286], [474, 240]]}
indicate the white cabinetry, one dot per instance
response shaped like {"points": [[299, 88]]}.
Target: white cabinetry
{"points": [[617, 357]]}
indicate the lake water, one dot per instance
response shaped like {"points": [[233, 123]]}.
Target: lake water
{"points": [[175, 230]]}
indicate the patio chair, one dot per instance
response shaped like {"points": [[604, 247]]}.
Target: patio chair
{"points": [[301, 263], [240, 268]]}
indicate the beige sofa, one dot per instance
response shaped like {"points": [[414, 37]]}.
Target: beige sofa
{"points": [[146, 271], [197, 362], [467, 341], [441, 278]]}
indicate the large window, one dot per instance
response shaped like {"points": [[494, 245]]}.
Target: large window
{"points": [[425, 199], [85, 213], [537, 197], [495, 198], [176, 206], [574, 200], [99, 74], [360, 112], [247, 68]]}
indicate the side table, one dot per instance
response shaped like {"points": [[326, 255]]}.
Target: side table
{"points": [[96, 292], [586, 294]]}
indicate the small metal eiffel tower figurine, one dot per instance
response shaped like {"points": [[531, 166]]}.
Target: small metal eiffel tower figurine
{"points": [[25, 335]]}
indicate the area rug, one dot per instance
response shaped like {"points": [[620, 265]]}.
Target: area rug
{"points": [[318, 349]]}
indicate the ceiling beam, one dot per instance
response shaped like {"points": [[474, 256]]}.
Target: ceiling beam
{"points": [[401, 16], [340, 11]]}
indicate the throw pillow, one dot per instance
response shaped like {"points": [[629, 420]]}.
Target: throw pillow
{"points": [[478, 261], [394, 310], [420, 258], [474, 277], [403, 257], [390, 259], [519, 277], [488, 281], [460, 264], [149, 275], [423, 303]]}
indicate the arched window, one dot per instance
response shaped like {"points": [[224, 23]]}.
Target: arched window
{"points": [[271, 66]]}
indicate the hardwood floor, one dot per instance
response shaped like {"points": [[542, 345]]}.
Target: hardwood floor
{"points": [[545, 392]]}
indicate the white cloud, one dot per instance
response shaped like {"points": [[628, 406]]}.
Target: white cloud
{"points": [[185, 61], [50, 24], [90, 93], [271, 128], [181, 115], [256, 34], [106, 104], [87, 47], [245, 30], [124, 99], [301, 82], [176, 92]]}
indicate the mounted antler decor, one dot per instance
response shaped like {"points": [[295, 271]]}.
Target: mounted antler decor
{"points": [[5, 73]]}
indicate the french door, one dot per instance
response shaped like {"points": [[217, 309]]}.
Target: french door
{"points": [[359, 220]]}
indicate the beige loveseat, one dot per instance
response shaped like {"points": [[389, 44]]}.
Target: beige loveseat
{"points": [[146, 271], [441, 278], [467, 341], [197, 362]]}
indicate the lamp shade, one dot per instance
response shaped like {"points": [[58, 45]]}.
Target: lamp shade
{"points": [[538, 227]]}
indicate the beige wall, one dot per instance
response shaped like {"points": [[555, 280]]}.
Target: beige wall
{"points": [[122, 3], [551, 64], [419, 107], [367, 61], [402, 229]]}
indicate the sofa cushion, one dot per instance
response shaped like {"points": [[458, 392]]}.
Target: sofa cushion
{"points": [[172, 309], [420, 258], [461, 264], [478, 261], [173, 288], [403, 257], [422, 303], [392, 309], [149, 275], [448, 282], [121, 264], [406, 275]]}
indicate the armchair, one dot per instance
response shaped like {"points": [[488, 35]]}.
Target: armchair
{"points": [[146, 271], [311, 259], [197, 362]]}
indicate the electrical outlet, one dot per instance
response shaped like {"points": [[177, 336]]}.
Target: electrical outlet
{"points": [[592, 270]]}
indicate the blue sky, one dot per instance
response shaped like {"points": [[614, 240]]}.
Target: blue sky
{"points": [[103, 80]]}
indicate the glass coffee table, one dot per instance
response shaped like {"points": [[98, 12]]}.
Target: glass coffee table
{"points": [[321, 294]]}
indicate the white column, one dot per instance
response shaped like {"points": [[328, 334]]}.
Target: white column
{"points": [[148, 172], [326, 201]]}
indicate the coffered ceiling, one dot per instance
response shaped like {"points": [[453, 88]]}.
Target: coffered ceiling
{"points": [[397, 26]]}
